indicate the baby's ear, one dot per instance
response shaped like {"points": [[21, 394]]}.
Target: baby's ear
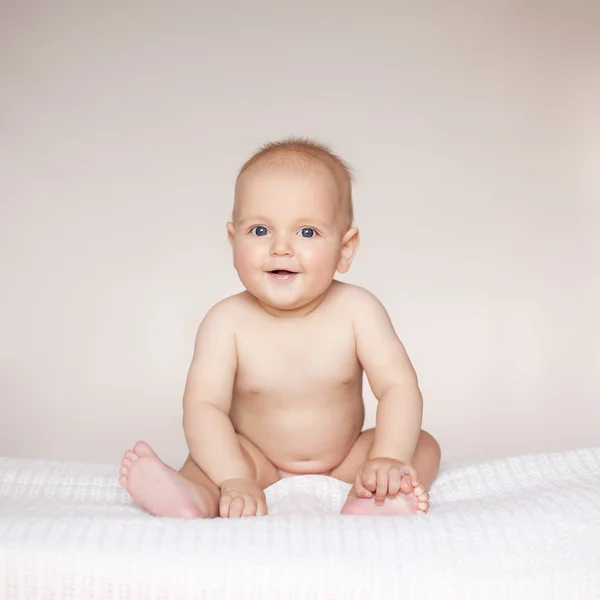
{"points": [[350, 243], [230, 232]]}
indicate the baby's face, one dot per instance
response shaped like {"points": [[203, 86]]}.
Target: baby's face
{"points": [[287, 234]]}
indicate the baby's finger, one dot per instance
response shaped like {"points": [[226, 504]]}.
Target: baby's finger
{"points": [[359, 488], [369, 479], [224, 505], [382, 486], [406, 486], [236, 508], [395, 477], [412, 473], [261, 508], [249, 508]]}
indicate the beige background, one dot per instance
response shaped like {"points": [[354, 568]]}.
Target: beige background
{"points": [[475, 136]]}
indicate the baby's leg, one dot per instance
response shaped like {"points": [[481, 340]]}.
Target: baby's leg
{"points": [[189, 493], [426, 461]]}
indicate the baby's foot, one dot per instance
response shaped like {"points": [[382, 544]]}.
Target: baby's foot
{"points": [[417, 502], [161, 490]]}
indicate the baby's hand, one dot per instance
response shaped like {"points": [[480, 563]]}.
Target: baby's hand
{"points": [[242, 498], [384, 477]]}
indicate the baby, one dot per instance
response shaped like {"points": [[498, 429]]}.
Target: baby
{"points": [[275, 384]]}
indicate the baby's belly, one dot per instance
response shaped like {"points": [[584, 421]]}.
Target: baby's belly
{"points": [[301, 439]]}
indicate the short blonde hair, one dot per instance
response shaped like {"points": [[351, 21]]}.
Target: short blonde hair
{"points": [[303, 152]]}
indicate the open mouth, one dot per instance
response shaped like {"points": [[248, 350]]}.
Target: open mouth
{"points": [[282, 274]]}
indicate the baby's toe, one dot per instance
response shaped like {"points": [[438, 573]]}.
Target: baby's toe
{"points": [[126, 463], [424, 497], [124, 471], [419, 490], [143, 449], [131, 456], [123, 481]]}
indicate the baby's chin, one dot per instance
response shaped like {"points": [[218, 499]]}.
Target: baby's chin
{"points": [[291, 305]]}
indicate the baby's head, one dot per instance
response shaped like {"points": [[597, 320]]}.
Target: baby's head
{"points": [[291, 228]]}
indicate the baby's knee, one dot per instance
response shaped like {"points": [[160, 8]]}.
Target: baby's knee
{"points": [[430, 444]]}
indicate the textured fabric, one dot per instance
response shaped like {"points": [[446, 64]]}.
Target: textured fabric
{"points": [[523, 527]]}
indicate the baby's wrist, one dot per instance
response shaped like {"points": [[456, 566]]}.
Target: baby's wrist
{"points": [[234, 478], [387, 453], [237, 482]]}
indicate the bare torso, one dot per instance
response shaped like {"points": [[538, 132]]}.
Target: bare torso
{"points": [[297, 398], [298, 389]]}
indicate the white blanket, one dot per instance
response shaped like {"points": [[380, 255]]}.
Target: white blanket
{"points": [[525, 527]]}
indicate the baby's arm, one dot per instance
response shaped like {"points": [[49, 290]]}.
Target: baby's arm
{"points": [[207, 398], [392, 379]]}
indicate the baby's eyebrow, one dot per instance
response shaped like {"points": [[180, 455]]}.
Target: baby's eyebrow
{"points": [[313, 223], [252, 219]]}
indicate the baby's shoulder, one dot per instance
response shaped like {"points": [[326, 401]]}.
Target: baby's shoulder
{"points": [[354, 297], [358, 305], [363, 308], [229, 311]]}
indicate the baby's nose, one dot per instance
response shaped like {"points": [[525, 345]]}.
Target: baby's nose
{"points": [[281, 246]]}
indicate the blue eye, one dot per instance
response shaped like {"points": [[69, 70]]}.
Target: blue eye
{"points": [[259, 230], [307, 232]]}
